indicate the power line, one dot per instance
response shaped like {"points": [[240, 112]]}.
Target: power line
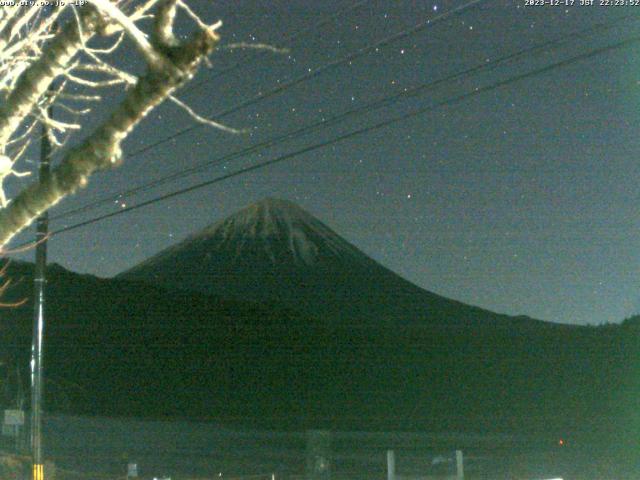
{"points": [[325, 68], [317, 72], [360, 131], [370, 106]]}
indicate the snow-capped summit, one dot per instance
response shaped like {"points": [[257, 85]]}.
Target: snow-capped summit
{"points": [[283, 232]]}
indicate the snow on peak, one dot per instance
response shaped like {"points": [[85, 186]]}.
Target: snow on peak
{"points": [[273, 223]]}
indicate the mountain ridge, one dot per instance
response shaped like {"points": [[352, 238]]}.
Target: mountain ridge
{"points": [[275, 250], [116, 347]]}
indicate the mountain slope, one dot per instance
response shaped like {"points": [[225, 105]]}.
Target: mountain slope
{"points": [[117, 347], [379, 353], [275, 251]]}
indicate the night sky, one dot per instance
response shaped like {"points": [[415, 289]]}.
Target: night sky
{"points": [[522, 199]]}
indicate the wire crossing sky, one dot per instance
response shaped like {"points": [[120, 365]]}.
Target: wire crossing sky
{"points": [[511, 190], [417, 90]]}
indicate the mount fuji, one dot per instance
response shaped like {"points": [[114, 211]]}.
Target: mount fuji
{"points": [[274, 251], [269, 318]]}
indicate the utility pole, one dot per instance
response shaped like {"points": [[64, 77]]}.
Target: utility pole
{"points": [[391, 465], [40, 281], [459, 465]]}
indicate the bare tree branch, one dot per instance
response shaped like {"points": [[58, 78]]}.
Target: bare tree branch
{"points": [[33, 54], [203, 120], [102, 149], [254, 46], [129, 27], [35, 80]]}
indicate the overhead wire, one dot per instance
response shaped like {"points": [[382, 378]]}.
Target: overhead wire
{"points": [[370, 106], [370, 128], [318, 71]]}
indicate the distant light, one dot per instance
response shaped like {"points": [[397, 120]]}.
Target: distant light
{"points": [[561, 443], [435, 8]]}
